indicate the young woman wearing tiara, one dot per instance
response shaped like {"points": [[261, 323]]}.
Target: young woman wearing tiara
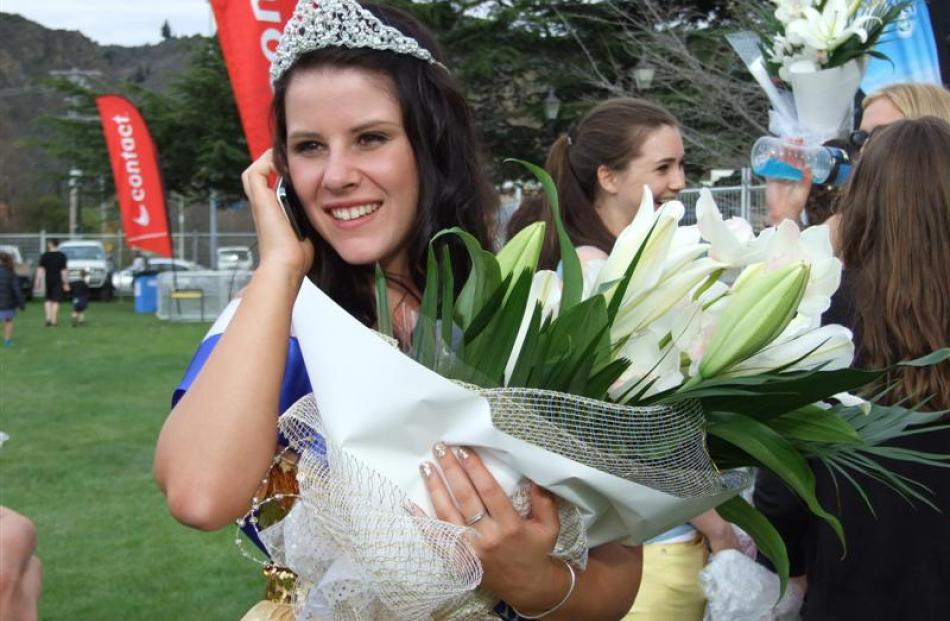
{"points": [[378, 141]]}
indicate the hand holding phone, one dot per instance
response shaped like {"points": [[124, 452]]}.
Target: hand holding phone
{"points": [[293, 210]]}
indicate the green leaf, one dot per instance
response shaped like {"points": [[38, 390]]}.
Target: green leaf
{"points": [[773, 452], [767, 539], [932, 358], [814, 424], [527, 357], [570, 264], [448, 299], [783, 392], [424, 337], [384, 320], [489, 352], [482, 282], [579, 339]]}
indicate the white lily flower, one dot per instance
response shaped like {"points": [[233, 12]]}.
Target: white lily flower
{"points": [[648, 308], [692, 326], [545, 288], [652, 260], [732, 241], [813, 245], [831, 27], [848, 400], [830, 345], [789, 10], [687, 246], [628, 242], [649, 363]]}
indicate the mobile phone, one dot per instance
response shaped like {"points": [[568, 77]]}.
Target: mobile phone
{"points": [[293, 210]]}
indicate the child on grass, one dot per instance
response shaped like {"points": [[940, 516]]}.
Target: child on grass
{"points": [[80, 291], [11, 297]]}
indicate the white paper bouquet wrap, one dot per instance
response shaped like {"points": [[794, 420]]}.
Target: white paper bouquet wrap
{"points": [[352, 537], [811, 59]]}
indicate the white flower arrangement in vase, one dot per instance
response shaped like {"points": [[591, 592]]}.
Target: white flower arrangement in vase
{"points": [[816, 52]]}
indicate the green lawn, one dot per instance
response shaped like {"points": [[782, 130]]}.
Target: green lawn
{"points": [[83, 407]]}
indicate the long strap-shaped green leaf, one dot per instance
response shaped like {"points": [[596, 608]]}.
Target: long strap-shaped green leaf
{"points": [[775, 453], [483, 281], [384, 320], [767, 539], [570, 264]]}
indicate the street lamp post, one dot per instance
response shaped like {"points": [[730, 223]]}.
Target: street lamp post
{"points": [[643, 74], [552, 105]]}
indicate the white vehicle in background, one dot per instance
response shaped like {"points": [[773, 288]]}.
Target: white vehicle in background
{"points": [[235, 258], [89, 255], [123, 280]]}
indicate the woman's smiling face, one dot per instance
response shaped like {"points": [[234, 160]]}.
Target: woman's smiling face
{"points": [[352, 164]]}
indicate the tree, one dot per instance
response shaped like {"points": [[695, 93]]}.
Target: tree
{"points": [[166, 31], [201, 144], [698, 76]]}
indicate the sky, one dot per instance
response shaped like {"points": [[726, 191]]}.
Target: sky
{"points": [[118, 22]]}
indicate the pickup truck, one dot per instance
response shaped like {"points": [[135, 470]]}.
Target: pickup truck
{"points": [[90, 255]]}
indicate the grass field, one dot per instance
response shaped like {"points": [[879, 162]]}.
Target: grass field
{"points": [[83, 407]]}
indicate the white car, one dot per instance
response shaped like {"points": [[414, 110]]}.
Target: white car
{"points": [[235, 258], [122, 281], [89, 255]]}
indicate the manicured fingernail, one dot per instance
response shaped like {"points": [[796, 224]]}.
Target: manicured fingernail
{"points": [[425, 469], [460, 452], [439, 450]]}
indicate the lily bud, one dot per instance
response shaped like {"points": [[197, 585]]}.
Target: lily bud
{"points": [[754, 316], [522, 251]]}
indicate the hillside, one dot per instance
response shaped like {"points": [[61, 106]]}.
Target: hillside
{"points": [[30, 54]]}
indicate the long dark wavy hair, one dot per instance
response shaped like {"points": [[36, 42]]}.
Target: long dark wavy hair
{"points": [[453, 187], [895, 244], [611, 134]]}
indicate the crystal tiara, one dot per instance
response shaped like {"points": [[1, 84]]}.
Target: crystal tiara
{"points": [[317, 24]]}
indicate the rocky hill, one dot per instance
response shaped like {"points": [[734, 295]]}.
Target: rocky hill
{"points": [[30, 55]]}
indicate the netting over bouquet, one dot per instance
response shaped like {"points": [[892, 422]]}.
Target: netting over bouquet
{"points": [[363, 551]]}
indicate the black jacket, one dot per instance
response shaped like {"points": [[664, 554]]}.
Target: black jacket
{"points": [[10, 294]]}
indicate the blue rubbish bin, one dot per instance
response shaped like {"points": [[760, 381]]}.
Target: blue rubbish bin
{"points": [[145, 287]]}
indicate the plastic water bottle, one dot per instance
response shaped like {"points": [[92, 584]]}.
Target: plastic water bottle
{"points": [[775, 158]]}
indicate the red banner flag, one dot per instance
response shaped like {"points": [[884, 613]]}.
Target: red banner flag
{"points": [[248, 31], [138, 184]]}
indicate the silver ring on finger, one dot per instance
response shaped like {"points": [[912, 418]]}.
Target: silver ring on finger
{"points": [[475, 519]]}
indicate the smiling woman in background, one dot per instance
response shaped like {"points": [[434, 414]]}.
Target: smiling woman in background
{"points": [[600, 169]]}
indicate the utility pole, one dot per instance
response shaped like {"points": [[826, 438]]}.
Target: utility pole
{"points": [[181, 227], [213, 230], [74, 176]]}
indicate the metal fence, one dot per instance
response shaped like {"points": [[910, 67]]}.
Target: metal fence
{"points": [[746, 201], [191, 246]]}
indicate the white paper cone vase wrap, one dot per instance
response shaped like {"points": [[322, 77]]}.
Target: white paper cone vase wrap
{"points": [[823, 99]]}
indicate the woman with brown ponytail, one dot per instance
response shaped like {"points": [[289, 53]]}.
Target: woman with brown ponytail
{"points": [[600, 169]]}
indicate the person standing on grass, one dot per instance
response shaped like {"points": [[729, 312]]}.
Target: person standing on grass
{"points": [[11, 297], [80, 293], [52, 269]]}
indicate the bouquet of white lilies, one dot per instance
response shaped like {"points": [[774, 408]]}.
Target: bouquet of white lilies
{"points": [[708, 313], [632, 388], [815, 51]]}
